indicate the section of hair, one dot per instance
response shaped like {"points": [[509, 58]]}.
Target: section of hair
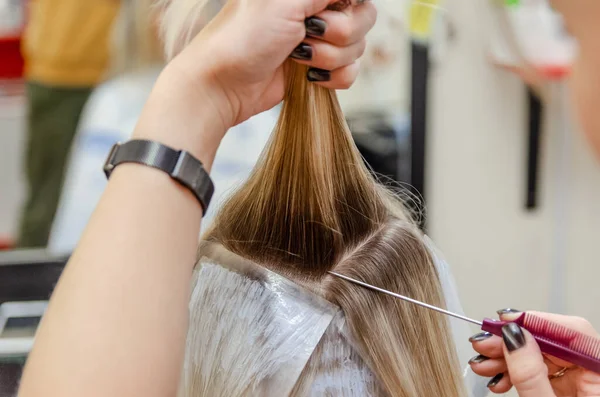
{"points": [[208, 354], [336, 369], [311, 206], [183, 19], [408, 347], [310, 195], [135, 38], [249, 337]]}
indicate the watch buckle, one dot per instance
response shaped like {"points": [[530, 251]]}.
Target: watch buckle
{"points": [[109, 163]]}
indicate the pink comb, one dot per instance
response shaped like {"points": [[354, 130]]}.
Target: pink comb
{"points": [[553, 339]]}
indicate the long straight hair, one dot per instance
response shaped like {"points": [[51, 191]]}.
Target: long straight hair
{"points": [[311, 206]]}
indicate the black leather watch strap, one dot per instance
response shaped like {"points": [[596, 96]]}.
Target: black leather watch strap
{"points": [[179, 164]]}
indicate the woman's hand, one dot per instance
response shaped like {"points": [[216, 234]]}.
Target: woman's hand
{"points": [[518, 361], [234, 68], [241, 52], [580, 17]]}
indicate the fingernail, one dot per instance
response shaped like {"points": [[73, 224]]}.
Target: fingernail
{"points": [[303, 51], [507, 311], [495, 380], [315, 74], [479, 337], [513, 337], [315, 26], [478, 359]]}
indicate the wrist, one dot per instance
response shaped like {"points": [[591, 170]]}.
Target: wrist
{"points": [[185, 114]]}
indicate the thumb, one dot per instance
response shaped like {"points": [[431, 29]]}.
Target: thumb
{"points": [[526, 367]]}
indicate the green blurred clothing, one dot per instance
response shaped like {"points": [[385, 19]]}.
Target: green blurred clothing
{"points": [[67, 50], [52, 119]]}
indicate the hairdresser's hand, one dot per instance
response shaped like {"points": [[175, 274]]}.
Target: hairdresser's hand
{"points": [[518, 362], [241, 52], [581, 18]]}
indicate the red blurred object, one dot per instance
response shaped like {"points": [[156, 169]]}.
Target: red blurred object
{"points": [[12, 63], [555, 72], [6, 244]]}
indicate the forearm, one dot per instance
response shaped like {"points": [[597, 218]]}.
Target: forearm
{"points": [[585, 90], [119, 311], [580, 18]]}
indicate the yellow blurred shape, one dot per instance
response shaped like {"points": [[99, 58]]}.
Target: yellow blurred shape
{"points": [[422, 15]]}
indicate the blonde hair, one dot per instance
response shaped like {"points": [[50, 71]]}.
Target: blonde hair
{"points": [[135, 42], [311, 206]]}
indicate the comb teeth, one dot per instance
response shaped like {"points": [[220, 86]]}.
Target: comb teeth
{"points": [[573, 340]]}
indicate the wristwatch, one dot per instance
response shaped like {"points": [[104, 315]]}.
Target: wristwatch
{"points": [[179, 164]]}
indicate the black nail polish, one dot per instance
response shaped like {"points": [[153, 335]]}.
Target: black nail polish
{"points": [[315, 26], [478, 359], [495, 380], [513, 337], [303, 52], [315, 74], [507, 311], [480, 337]]}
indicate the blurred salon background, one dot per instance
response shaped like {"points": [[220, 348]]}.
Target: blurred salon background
{"points": [[498, 172]]}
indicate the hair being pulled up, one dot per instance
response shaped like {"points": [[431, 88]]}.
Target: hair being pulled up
{"points": [[311, 206]]}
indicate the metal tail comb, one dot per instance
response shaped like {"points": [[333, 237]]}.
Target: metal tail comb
{"points": [[553, 339]]}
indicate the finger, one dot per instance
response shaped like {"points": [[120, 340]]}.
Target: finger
{"points": [[487, 344], [552, 366], [487, 367], [339, 79], [500, 383], [342, 28], [319, 54], [528, 372], [575, 323]]}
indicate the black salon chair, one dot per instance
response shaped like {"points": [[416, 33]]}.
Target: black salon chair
{"points": [[27, 279]]}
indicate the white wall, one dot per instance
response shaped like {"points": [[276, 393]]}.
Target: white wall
{"points": [[501, 254]]}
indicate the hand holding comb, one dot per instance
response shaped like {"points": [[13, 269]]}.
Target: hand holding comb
{"points": [[553, 339]]}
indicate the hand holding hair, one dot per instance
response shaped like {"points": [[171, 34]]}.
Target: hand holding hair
{"points": [[241, 53], [235, 67], [516, 360]]}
